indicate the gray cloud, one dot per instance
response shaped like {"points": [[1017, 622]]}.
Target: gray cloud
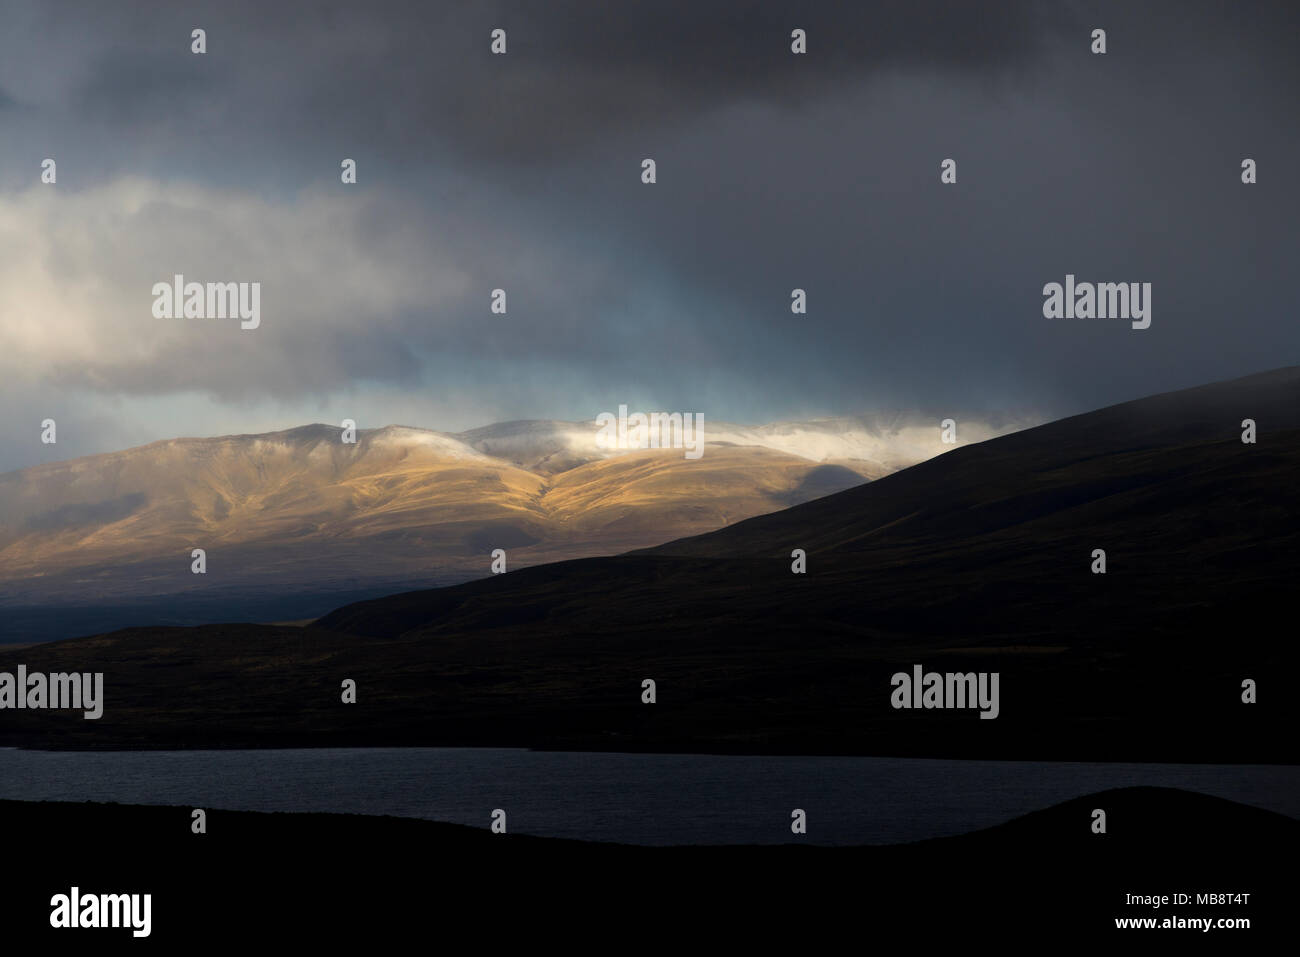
{"points": [[775, 171], [414, 74]]}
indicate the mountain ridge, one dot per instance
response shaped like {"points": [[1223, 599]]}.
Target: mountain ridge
{"points": [[297, 507], [981, 560]]}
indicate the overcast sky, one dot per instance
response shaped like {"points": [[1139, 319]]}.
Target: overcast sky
{"points": [[523, 172]]}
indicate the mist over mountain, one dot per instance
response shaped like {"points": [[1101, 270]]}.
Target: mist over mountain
{"points": [[300, 513]]}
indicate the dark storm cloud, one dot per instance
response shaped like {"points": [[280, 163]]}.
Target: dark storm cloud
{"points": [[133, 88], [775, 171], [418, 73], [417, 80], [415, 73]]}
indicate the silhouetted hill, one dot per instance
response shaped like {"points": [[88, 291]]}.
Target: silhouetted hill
{"points": [[286, 517], [975, 561], [316, 878], [1138, 462]]}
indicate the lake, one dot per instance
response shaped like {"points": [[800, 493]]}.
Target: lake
{"points": [[630, 798]]}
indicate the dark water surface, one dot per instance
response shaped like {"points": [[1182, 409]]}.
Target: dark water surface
{"points": [[631, 798]]}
